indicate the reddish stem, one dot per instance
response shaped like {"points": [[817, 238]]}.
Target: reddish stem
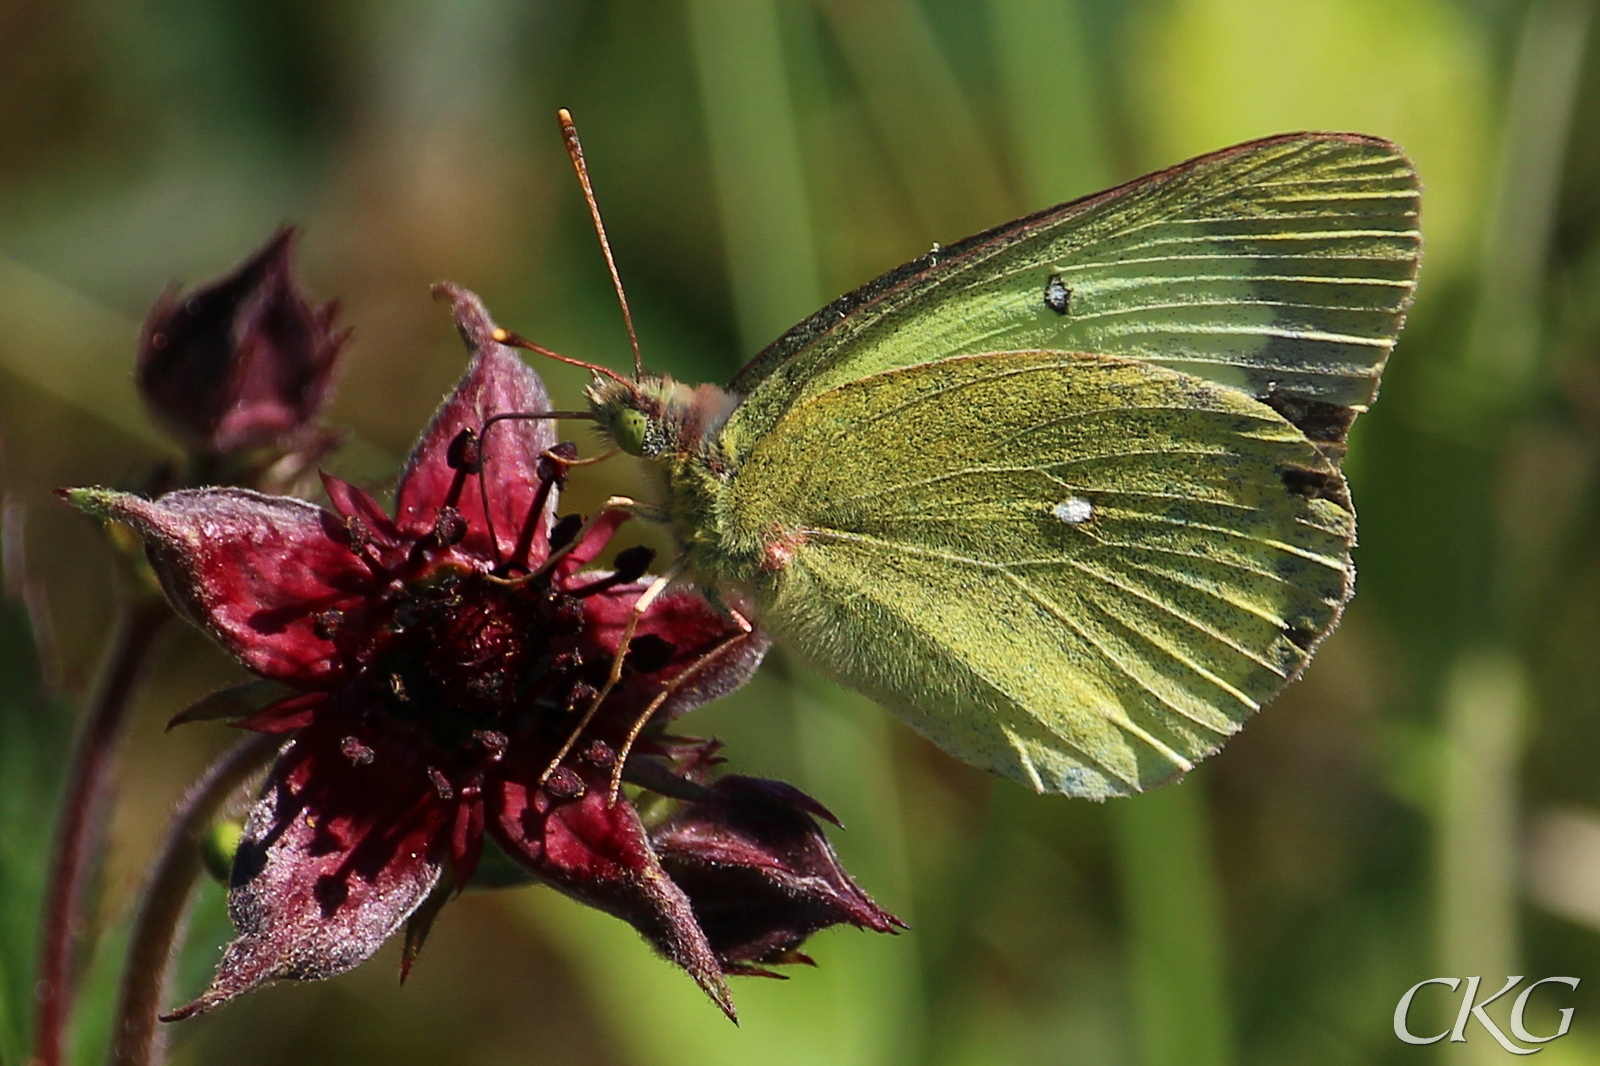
{"points": [[140, 626], [166, 899]]}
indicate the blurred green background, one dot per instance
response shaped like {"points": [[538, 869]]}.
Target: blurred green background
{"points": [[1425, 802]]}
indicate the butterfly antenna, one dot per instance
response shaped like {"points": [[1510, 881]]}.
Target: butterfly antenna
{"points": [[569, 135], [517, 340]]}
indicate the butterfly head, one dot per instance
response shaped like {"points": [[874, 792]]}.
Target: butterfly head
{"points": [[632, 413], [656, 415]]}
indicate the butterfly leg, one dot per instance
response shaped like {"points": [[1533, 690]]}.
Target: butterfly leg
{"points": [[640, 606], [613, 503], [746, 630]]}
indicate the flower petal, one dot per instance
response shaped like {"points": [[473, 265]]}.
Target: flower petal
{"points": [[600, 855], [496, 382], [760, 873], [352, 502], [252, 570], [287, 715], [337, 854]]}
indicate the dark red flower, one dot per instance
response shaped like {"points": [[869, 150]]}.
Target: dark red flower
{"points": [[445, 666], [244, 362]]}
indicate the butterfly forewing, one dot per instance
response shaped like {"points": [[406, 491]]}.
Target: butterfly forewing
{"points": [[1081, 572], [1282, 268]]}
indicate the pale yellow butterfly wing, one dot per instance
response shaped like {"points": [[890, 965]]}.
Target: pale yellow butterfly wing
{"points": [[1082, 573]]}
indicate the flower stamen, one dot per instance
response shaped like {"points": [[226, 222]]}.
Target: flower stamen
{"points": [[361, 540], [614, 503], [464, 456], [553, 466], [630, 564], [326, 624], [565, 531], [688, 674], [449, 528], [478, 458], [493, 742], [640, 606], [564, 784]]}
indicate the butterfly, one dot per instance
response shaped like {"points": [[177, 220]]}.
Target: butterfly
{"points": [[1065, 496]]}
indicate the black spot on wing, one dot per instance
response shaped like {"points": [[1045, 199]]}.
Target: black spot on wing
{"points": [[1325, 424], [1315, 484], [1301, 636]]}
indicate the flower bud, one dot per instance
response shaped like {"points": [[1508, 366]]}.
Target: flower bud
{"points": [[242, 363], [760, 874]]}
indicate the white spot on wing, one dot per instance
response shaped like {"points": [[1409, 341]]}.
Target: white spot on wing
{"points": [[1074, 510]]}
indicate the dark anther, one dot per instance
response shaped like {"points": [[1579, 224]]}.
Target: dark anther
{"points": [[463, 453], [325, 624], [565, 664], [631, 563], [358, 753], [565, 529], [553, 465], [581, 695], [649, 653], [569, 615], [449, 528], [361, 543], [441, 784], [598, 753], [563, 784], [552, 474], [494, 743], [1057, 297]]}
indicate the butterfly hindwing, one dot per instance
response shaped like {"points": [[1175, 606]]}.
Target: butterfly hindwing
{"points": [[1281, 267], [1080, 572]]}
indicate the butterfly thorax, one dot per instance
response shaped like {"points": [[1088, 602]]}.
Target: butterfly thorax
{"points": [[677, 428]]}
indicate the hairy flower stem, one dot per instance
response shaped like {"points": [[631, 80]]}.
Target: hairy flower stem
{"points": [[140, 626], [156, 925]]}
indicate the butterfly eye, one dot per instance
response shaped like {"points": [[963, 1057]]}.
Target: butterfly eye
{"points": [[629, 430]]}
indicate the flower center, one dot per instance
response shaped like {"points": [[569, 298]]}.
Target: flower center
{"points": [[468, 654]]}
